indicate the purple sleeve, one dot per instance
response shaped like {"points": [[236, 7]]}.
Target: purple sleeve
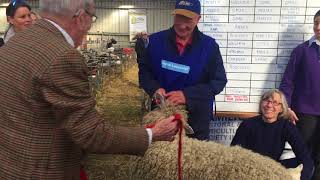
{"points": [[288, 79]]}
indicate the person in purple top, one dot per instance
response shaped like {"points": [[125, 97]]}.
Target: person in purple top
{"points": [[267, 133], [301, 86]]}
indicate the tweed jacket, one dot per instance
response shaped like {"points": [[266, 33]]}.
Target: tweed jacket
{"points": [[47, 115]]}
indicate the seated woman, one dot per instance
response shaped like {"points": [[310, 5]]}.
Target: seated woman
{"points": [[19, 18], [267, 133]]}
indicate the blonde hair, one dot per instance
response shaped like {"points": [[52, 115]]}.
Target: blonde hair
{"points": [[269, 94], [36, 15]]}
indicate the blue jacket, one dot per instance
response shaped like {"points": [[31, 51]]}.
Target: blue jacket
{"points": [[198, 72]]}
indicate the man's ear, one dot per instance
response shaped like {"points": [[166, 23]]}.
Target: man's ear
{"points": [[197, 19], [79, 17]]}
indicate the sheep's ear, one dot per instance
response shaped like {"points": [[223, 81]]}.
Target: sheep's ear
{"points": [[188, 129]]}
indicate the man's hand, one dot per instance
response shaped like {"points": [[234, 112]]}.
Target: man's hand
{"points": [[161, 91], [165, 130], [176, 97], [293, 117]]}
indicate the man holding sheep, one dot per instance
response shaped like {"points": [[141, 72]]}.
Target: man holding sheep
{"points": [[185, 66], [48, 117]]}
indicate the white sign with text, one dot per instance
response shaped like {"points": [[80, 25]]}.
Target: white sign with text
{"points": [[256, 38]]}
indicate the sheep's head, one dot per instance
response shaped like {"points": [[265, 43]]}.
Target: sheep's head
{"points": [[165, 110]]}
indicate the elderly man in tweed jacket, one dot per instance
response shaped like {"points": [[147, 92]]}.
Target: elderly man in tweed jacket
{"points": [[47, 115]]}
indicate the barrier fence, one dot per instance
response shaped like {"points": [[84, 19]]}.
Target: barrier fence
{"points": [[106, 65]]}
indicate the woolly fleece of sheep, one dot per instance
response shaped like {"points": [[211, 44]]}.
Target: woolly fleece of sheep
{"points": [[201, 160], [204, 160]]}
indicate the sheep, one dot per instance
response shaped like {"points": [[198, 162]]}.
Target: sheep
{"points": [[296, 172], [200, 159]]}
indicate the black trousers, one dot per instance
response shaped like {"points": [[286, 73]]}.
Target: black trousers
{"points": [[309, 126]]}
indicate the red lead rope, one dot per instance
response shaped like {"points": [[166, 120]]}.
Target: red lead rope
{"points": [[177, 117]]}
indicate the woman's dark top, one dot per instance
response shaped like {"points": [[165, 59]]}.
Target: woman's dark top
{"points": [[269, 139]]}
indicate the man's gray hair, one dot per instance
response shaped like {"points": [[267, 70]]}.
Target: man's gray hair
{"points": [[63, 7]]}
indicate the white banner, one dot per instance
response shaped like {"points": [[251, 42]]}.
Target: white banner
{"points": [[3, 20], [137, 22]]}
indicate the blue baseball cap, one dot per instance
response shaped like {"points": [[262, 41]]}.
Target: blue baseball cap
{"points": [[14, 5], [188, 8]]}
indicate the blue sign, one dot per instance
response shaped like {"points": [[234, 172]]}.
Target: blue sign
{"points": [[175, 67]]}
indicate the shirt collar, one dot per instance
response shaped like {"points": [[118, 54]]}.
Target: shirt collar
{"points": [[180, 42], [64, 33], [313, 39], [181, 46]]}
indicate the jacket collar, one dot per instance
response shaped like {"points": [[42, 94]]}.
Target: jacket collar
{"points": [[312, 40], [9, 34], [64, 33], [51, 28]]}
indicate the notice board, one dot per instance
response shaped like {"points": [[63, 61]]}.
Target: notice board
{"points": [[256, 38]]}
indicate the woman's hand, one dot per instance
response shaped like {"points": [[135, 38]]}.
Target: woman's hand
{"points": [[293, 117]]}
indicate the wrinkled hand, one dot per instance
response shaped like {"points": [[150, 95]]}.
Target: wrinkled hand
{"points": [[165, 129], [176, 97], [161, 91], [293, 117]]}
